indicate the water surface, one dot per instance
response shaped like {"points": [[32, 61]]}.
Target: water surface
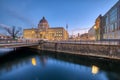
{"points": [[26, 64]]}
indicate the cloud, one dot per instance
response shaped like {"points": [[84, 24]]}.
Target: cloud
{"points": [[16, 14], [21, 17], [3, 26], [2, 29]]}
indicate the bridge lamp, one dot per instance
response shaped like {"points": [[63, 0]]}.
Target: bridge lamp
{"points": [[8, 41]]}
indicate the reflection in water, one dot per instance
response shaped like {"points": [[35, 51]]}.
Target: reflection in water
{"points": [[5, 50], [13, 60], [52, 66], [95, 69], [34, 63], [43, 60]]}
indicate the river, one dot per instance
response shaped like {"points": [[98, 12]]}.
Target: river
{"points": [[30, 64]]}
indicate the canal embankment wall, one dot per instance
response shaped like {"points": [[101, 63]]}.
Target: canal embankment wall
{"points": [[97, 50]]}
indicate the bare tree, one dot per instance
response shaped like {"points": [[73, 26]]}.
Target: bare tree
{"points": [[13, 31]]}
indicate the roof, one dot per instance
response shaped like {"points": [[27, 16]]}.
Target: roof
{"points": [[31, 29], [43, 20], [57, 28]]}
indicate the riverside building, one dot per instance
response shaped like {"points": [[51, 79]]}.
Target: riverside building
{"points": [[45, 32]]}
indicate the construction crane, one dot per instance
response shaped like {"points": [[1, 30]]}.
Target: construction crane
{"points": [[80, 30]]}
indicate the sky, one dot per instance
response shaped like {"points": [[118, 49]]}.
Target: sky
{"points": [[78, 14]]}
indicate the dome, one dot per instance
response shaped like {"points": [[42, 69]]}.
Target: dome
{"points": [[43, 24], [43, 20]]}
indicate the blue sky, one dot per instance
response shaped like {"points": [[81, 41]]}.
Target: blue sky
{"points": [[77, 14]]}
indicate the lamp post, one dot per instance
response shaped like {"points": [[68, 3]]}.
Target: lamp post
{"points": [[66, 31]]}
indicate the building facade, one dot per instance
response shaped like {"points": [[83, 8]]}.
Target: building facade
{"points": [[107, 27], [98, 27], [2, 36], [111, 23], [96, 31], [45, 32], [91, 33]]}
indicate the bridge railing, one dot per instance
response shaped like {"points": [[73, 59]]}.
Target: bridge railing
{"points": [[4, 41], [89, 42]]}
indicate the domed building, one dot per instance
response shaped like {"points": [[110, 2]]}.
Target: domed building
{"points": [[43, 24], [45, 32]]}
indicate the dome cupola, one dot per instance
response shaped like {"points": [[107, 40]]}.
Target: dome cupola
{"points": [[43, 24]]}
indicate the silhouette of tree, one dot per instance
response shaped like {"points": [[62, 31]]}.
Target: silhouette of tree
{"points": [[13, 31]]}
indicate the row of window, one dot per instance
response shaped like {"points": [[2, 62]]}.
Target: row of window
{"points": [[112, 27], [113, 15], [58, 38], [114, 36], [59, 32], [111, 21]]}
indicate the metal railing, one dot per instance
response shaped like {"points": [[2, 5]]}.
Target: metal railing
{"points": [[5, 41], [89, 42]]}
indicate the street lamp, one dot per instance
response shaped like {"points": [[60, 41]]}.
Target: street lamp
{"points": [[66, 31], [95, 27]]}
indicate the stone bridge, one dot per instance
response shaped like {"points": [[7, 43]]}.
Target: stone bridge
{"points": [[16, 44]]}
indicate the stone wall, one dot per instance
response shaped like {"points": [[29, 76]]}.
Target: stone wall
{"points": [[106, 51]]}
